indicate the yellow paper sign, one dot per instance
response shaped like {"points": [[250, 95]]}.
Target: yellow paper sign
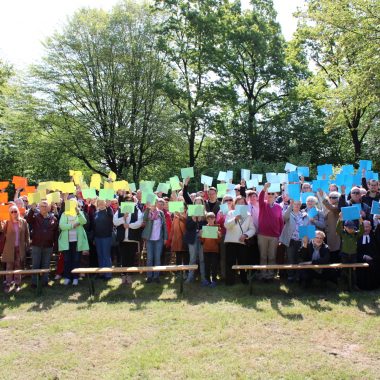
{"points": [[121, 185], [108, 185], [53, 197], [68, 187], [112, 176], [42, 194], [34, 198], [70, 207]]}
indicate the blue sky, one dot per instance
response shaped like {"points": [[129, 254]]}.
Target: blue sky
{"points": [[25, 23]]}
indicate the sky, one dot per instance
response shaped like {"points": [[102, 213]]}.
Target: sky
{"points": [[25, 23]]}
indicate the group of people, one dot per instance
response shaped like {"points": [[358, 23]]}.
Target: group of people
{"points": [[99, 234]]}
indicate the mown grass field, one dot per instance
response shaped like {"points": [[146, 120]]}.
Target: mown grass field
{"points": [[150, 331]]}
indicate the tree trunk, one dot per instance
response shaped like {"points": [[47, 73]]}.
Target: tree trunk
{"points": [[252, 130], [356, 142]]}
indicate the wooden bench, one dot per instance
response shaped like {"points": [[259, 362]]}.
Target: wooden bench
{"points": [[28, 272], [350, 267], [90, 272]]}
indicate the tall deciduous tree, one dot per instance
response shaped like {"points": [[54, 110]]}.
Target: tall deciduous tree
{"points": [[100, 81], [342, 38]]}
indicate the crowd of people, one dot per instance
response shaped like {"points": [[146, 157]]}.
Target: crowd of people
{"points": [[253, 227]]}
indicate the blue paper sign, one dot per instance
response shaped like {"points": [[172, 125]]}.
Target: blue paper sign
{"points": [[272, 177], [259, 177], [348, 169], [206, 180], [229, 175], [375, 209], [350, 213], [282, 177], [326, 169], [222, 176], [357, 179], [321, 184], [251, 183], [308, 231], [274, 188], [312, 212], [290, 167], [304, 196], [224, 208], [365, 164], [304, 171], [241, 210], [294, 191], [245, 174], [293, 177]]}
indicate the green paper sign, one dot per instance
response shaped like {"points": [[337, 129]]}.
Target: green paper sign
{"points": [[222, 189], [163, 188], [174, 183], [210, 232], [196, 210], [187, 172], [89, 193], [127, 207], [106, 194], [176, 206]]}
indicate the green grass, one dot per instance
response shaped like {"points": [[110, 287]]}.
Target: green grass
{"points": [[150, 331]]}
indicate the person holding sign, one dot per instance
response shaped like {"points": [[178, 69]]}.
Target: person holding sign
{"points": [[314, 252], [16, 233], [238, 228], [128, 220], [177, 234], [44, 239], [72, 240], [155, 233], [102, 228], [316, 217], [270, 228], [194, 224], [210, 239]]}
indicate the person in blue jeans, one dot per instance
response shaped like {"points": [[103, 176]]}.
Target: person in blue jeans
{"points": [[102, 231], [155, 234]]}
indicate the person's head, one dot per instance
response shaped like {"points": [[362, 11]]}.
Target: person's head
{"points": [[198, 201], [349, 226], [160, 204], [114, 204], [333, 187], [251, 196], [306, 188], [373, 186], [355, 195], [200, 193], [166, 203], [212, 194], [239, 200], [297, 206], [101, 204], [193, 196], [271, 197], [334, 197], [367, 227], [44, 208], [237, 190], [138, 195], [363, 192], [19, 203], [14, 213], [319, 237], [229, 200], [311, 201], [210, 217]]}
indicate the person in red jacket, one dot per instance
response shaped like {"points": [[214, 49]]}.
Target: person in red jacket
{"points": [[270, 227]]}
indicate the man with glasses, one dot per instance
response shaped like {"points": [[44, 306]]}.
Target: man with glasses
{"points": [[270, 228], [331, 211], [44, 227], [356, 199]]}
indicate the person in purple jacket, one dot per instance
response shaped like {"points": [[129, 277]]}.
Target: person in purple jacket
{"points": [[270, 227]]}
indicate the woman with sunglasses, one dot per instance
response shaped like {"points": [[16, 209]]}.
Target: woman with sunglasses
{"points": [[16, 232]]}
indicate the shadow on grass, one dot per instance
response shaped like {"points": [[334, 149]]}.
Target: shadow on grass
{"points": [[279, 294]]}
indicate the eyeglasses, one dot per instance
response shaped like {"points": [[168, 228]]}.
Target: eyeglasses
{"points": [[333, 197], [228, 200], [270, 193], [355, 193], [14, 212]]}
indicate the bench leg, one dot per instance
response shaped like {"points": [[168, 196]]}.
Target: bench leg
{"points": [[91, 285], [181, 283], [250, 282], [349, 279], [39, 285]]}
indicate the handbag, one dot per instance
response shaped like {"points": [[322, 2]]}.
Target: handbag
{"points": [[3, 238]]}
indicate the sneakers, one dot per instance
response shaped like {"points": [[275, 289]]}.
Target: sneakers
{"points": [[75, 282], [205, 283], [66, 281], [57, 277], [17, 288]]}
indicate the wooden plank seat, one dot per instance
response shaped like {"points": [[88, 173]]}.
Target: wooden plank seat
{"points": [[90, 272], [300, 266], [28, 272]]}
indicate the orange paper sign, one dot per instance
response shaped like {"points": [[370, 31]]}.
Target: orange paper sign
{"points": [[20, 182], [3, 197], [4, 185], [4, 212]]}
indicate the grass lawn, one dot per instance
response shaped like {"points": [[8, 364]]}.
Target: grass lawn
{"points": [[150, 331]]}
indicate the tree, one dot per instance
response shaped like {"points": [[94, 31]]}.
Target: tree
{"points": [[185, 35], [250, 52], [99, 80], [341, 38]]}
